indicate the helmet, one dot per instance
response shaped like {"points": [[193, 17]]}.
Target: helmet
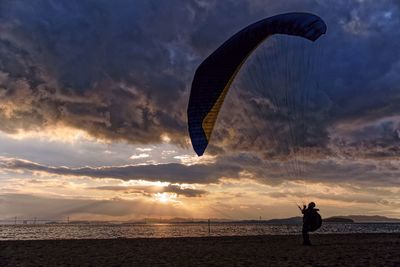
{"points": [[311, 205]]}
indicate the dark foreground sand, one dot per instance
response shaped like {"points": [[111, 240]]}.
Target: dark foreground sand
{"points": [[328, 250]]}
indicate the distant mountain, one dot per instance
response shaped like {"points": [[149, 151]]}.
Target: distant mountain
{"points": [[338, 220], [291, 220], [335, 219], [369, 219], [177, 220]]}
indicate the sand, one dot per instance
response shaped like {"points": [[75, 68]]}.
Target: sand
{"points": [[327, 250]]}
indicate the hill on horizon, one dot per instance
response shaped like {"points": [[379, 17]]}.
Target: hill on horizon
{"points": [[368, 218]]}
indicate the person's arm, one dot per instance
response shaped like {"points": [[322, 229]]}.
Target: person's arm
{"points": [[304, 209]]}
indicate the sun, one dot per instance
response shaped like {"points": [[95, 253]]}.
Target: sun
{"points": [[165, 197]]}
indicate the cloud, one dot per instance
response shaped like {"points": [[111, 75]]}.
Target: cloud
{"points": [[172, 172], [145, 190], [88, 66], [345, 196], [328, 170], [146, 149], [242, 166], [139, 156]]}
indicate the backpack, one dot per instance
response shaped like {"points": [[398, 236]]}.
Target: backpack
{"points": [[315, 221]]}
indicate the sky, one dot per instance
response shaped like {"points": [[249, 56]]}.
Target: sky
{"points": [[93, 100]]}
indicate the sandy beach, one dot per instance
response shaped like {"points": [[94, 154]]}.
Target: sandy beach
{"points": [[327, 250]]}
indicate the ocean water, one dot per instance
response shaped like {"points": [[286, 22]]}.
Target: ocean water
{"points": [[102, 231]]}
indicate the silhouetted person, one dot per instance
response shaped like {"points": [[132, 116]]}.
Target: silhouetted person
{"points": [[309, 215]]}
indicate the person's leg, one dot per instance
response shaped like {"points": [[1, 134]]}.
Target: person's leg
{"points": [[306, 237]]}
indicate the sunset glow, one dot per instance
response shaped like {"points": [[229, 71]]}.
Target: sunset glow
{"points": [[165, 197]]}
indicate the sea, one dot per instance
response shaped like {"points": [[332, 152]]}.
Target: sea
{"points": [[162, 230]]}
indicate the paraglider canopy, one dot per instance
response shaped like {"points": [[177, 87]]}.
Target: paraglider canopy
{"points": [[216, 73]]}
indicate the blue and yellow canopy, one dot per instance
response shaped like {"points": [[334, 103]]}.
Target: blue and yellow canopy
{"points": [[216, 73]]}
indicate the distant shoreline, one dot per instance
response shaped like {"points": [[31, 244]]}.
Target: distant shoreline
{"points": [[281, 221]]}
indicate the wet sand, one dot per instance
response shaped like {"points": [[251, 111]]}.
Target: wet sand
{"points": [[327, 250]]}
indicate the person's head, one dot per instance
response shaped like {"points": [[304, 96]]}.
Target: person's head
{"points": [[311, 205]]}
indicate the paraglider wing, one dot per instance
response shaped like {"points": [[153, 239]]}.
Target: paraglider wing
{"points": [[215, 74]]}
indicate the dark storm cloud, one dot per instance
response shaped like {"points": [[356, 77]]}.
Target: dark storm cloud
{"points": [[342, 172], [116, 70], [172, 172], [146, 190], [122, 70]]}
